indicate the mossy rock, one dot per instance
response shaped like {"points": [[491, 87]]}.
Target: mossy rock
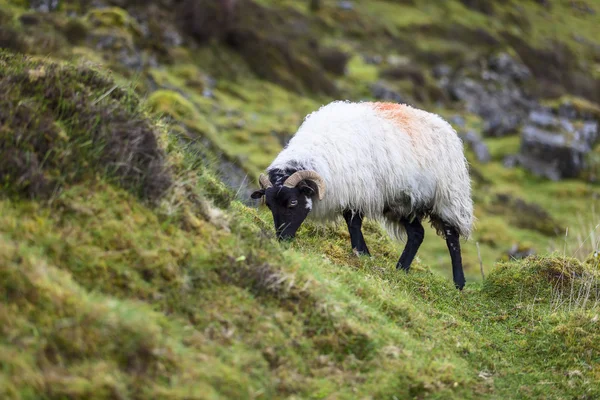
{"points": [[62, 124], [10, 37], [171, 103], [593, 260], [539, 276], [176, 106], [113, 17]]}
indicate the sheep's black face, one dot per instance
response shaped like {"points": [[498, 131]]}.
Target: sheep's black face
{"points": [[289, 207]]}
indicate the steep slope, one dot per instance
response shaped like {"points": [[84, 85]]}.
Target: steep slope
{"points": [[107, 294]]}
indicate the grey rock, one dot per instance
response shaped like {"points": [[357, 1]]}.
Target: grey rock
{"points": [[457, 120], [345, 5], [381, 91], [556, 147], [482, 153], [504, 64], [511, 161], [441, 70], [44, 5], [373, 60], [494, 93], [542, 118], [517, 252], [569, 111]]}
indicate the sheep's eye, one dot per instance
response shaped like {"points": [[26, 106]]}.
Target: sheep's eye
{"points": [[293, 203]]}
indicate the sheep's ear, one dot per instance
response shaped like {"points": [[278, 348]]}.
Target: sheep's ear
{"points": [[306, 188], [258, 194]]}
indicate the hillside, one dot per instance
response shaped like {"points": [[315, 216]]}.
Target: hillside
{"points": [[134, 264]]}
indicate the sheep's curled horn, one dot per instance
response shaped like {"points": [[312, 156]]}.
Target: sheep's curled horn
{"points": [[295, 179], [265, 183]]}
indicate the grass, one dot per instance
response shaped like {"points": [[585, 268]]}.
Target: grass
{"points": [[104, 294], [52, 135], [119, 293]]}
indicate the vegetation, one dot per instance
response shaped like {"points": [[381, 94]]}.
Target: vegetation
{"points": [[129, 269]]}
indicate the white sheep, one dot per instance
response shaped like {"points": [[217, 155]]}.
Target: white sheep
{"points": [[386, 161]]}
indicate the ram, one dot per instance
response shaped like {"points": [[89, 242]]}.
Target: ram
{"points": [[390, 162]]}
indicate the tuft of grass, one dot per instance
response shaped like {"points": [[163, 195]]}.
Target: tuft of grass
{"points": [[62, 124]]}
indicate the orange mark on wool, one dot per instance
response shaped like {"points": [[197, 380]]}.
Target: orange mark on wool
{"points": [[399, 114]]}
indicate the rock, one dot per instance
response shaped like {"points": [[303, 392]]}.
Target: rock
{"points": [[345, 5], [441, 70], [556, 147], [397, 61], [504, 64], [44, 5], [333, 60], [381, 91], [518, 252], [373, 60], [579, 110], [457, 120], [494, 93], [510, 161], [480, 149]]}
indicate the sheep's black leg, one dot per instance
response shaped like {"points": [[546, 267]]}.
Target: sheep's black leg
{"points": [[453, 242], [414, 237], [354, 221]]}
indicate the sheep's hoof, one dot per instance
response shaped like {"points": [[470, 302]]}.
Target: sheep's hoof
{"points": [[401, 267], [358, 253]]}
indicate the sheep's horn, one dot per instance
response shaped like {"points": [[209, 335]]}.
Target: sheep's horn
{"points": [[264, 181], [296, 177]]}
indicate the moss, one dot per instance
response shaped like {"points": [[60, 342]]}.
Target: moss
{"points": [[538, 276], [171, 103], [113, 17], [63, 124], [501, 147], [583, 108], [10, 37], [75, 30]]}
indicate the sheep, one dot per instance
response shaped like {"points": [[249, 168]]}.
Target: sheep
{"points": [[389, 162]]}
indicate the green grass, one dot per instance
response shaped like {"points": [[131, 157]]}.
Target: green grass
{"points": [[104, 294], [103, 297]]}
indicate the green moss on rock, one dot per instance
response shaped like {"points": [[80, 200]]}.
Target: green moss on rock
{"points": [[542, 277]]}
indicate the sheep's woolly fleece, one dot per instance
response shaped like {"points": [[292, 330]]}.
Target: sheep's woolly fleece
{"points": [[387, 160]]}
